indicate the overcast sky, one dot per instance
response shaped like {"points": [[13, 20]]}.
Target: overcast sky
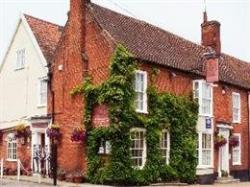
{"points": [[182, 17]]}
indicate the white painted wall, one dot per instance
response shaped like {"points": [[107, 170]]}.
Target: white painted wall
{"points": [[19, 88]]}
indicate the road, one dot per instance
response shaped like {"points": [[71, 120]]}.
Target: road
{"points": [[11, 183], [21, 184]]}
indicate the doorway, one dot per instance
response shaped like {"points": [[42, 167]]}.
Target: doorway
{"points": [[224, 151]]}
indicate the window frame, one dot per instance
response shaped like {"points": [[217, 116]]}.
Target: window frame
{"points": [[167, 149], [40, 104], [239, 149], [233, 107], [200, 151], [144, 149], [11, 157], [200, 96], [144, 92], [20, 59]]}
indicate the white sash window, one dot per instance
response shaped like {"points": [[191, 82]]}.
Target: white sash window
{"points": [[42, 98], [165, 145], [141, 91], [236, 107], [138, 147], [20, 59], [11, 149], [236, 152]]}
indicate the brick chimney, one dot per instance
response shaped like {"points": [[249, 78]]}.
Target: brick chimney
{"points": [[210, 34], [77, 23]]}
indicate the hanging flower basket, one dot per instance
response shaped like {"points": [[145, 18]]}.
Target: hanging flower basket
{"points": [[234, 141], [78, 135], [219, 141], [53, 132], [22, 132]]}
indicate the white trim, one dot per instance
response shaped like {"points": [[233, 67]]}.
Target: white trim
{"points": [[145, 97], [144, 153], [237, 163], [239, 120]]}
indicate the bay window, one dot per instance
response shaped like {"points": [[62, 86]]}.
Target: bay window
{"points": [[203, 93]]}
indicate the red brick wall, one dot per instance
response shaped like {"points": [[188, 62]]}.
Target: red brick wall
{"points": [[223, 112], [69, 110], [181, 84], [23, 153]]}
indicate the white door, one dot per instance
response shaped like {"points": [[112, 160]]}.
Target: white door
{"points": [[224, 152]]}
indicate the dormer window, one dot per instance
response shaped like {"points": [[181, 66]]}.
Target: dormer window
{"points": [[20, 59]]}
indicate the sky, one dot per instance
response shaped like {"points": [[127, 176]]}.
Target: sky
{"points": [[182, 17]]}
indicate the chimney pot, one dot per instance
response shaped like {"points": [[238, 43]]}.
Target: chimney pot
{"points": [[210, 35]]}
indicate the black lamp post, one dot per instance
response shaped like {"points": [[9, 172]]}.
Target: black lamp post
{"points": [[54, 160]]}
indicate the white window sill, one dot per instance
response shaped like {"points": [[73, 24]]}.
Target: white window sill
{"points": [[138, 167], [11, 160], [142, 111], [18, 69], [236, 122], [41, 106], [206, 115], [204, 167], [236, 164]]}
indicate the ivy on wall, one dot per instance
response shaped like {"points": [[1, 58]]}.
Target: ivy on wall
{"points": [[166, 111]]}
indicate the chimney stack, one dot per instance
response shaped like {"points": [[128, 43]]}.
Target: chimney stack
{"points": [[77, 23], [210, 34]]}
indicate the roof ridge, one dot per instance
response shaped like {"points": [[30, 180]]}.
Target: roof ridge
{"points": [[166, 31]]}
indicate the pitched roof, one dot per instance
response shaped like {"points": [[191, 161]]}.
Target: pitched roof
{"points": [[156, 45], [47, 35]]}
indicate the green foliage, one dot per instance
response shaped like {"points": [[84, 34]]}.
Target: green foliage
{"points": [[166, 111]]}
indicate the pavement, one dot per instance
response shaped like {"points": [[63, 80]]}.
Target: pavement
{"points": [[11, 181]]}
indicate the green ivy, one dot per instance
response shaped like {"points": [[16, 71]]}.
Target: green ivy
{"points": [[166, 111]]}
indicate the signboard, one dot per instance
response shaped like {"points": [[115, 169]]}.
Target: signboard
{"points": [[212, 70], [208, 122], [100, 116]]}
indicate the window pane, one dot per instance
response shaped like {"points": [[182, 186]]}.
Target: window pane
{"points": [[164, 146], [137, 147], [206, 149]]}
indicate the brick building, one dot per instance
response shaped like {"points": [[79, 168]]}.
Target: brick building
{"points": [[88, 41], [90, 37]]}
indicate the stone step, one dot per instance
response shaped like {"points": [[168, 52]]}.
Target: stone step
{"points": [[227, 180]]}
